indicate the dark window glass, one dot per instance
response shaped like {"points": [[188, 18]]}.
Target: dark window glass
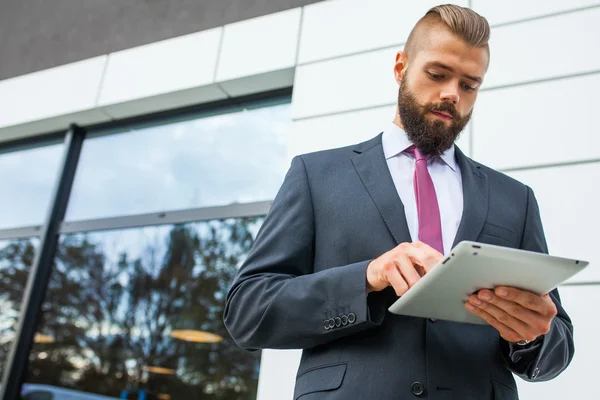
{"points": [[16, 258], [209, 160], [27, 179], [140, 311]]}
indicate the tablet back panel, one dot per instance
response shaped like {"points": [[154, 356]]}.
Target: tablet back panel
{"points": [[443, 291]]}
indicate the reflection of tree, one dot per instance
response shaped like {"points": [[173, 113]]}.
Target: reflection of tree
{"points": [[16, 257], [110, 319]]}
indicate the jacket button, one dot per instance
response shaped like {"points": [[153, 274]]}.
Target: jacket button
{"points": [[417, 388], [326, 324], [338, 322], [351, 318], [344, 320]]}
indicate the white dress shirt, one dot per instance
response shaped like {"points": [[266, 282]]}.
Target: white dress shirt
{"points": [[446, 177]]}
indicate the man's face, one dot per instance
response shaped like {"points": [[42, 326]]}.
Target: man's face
{"points": [[438, 90]]}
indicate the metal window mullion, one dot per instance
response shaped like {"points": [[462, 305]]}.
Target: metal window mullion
{"points": [[20, 233], [167, 217], [197, 214], [39, 275]]}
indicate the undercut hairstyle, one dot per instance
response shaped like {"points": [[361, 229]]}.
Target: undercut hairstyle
{"points": [[463, 22]]}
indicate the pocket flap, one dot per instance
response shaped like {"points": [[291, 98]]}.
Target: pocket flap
{"points": [[499, 231], [320, 379], [503, 391]]}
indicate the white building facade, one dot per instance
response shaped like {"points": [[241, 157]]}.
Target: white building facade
{"points": [[534, 118]]}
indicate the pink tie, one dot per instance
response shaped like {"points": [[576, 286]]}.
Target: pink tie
{"points": [[428, 212]]}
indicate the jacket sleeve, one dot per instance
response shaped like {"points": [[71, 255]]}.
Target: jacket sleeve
{"points": [[550, 354], [277, 300]]}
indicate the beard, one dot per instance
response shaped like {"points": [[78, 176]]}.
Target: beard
{"points": [[432, 137]]}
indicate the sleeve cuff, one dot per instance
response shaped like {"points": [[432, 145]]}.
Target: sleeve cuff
{"points": [[369, 307], [516, 352]]}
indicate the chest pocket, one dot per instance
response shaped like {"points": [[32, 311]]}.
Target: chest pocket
{"points": [[498, 235]]}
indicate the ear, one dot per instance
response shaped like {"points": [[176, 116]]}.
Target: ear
{"points": [[400, 66]]}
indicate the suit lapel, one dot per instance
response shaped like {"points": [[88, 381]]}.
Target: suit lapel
{"points": [[374, 173], [475, 199]]}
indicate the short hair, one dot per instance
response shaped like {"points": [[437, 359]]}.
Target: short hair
{"points": [[463, 22]]}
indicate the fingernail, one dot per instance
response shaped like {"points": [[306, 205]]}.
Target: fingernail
{"points": [[502, 292], [470, 306], [486, 295], [476, 301]]}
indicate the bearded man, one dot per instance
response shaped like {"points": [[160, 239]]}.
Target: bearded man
{"points": [[351, 229]]}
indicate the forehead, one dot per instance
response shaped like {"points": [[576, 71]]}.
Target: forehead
{"points": [[440, 45]]}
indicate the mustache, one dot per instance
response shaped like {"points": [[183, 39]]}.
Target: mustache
{"points": [[445, 107]]}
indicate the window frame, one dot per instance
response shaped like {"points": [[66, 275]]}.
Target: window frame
{"points": [[49, 232]]}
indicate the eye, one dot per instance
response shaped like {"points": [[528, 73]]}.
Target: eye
{"points": [[468, 88], [434, 76]]}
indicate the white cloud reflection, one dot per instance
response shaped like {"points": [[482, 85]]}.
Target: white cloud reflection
{"points": [[224, 159], [27, 178], [217, 160]]}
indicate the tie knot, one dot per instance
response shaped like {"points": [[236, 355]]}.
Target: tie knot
{"points": [[418, 155]]}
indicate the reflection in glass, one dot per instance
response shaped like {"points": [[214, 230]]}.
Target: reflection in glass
{"points": [[125, 309], [16, 258], [237, 157], [27, 179]]}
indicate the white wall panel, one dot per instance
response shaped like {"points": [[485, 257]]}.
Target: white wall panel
{"points": [[568, 198], [53, 92], [168, 66], [531, 124], [259, 45], [339, 130], [277, 377], [579, 380], [342, 84], [545, 48], [499, 12], [340, 27]]}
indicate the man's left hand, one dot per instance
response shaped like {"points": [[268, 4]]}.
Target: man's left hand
{"points": [[516, 314]]}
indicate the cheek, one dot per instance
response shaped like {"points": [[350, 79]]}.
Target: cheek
{"points": [[426, 94], [466, 104]]}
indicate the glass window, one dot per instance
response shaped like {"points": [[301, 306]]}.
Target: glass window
{"points": [[16, 258], [209, 160], [140, 311], [27, 179]]}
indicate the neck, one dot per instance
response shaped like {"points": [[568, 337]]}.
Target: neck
{"points": [[397, 120]]}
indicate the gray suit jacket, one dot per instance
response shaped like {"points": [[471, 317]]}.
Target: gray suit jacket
{"points": [[303, 286]]}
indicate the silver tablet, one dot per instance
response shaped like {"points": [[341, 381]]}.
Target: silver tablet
{"points": [[472, 266]]}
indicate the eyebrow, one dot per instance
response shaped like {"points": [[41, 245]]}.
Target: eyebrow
{"points": [[450, 69]]}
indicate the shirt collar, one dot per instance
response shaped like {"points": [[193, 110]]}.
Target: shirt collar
{"points": [[395, 141]]}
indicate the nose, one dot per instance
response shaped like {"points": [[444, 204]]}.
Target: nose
{"points": [[450, 94]]}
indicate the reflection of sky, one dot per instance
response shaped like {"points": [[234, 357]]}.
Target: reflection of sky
{"points": [[216, 160], [26, 181]]}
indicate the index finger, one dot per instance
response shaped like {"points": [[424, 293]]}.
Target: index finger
{"points": [[527, 299], [423, 255]]}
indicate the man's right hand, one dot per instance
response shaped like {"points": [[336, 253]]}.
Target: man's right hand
{"points": [[401, 267]]}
